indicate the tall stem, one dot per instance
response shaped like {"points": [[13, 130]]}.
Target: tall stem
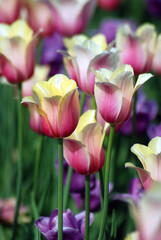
{"points": [[134, 117], [67, 189], [60, 190], [87, 206], [70, 170], [106, 185], [19, 164], [37, 164]]}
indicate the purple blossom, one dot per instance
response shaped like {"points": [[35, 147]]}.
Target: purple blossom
{"points": [[154, 130], [146, 111], [50, 55], [109, 27], [154, 7], [78, 180], [73, 225], [95, 197], [135, 192]]}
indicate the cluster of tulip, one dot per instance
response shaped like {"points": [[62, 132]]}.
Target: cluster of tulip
{"points": [[107, 75]]}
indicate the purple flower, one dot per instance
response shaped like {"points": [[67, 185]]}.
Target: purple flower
{"points": [[95, 197], [73, 225], [154, 7], [50, 55], [146, 111], [154, 130], [135, 192], [78, 180], [109, 27]]}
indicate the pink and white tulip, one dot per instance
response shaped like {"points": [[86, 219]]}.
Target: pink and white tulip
{"points": [[147, 215], [91, 53], [114, 92], [58, 104], [16, 51], [72, 16], [9, 10], [137, 49], [150, 157], [156, 64], [83, 149], [40, 16]]}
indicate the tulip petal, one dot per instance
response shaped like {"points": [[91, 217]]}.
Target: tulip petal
{"points": [[141, 80], [144, 176], [92, 136], [155, 145], [81, 63], [69, 112], [85, 119], [28, 99], [142, 152], [153, 165], [108, 97], [50, 110], [76, 155]]}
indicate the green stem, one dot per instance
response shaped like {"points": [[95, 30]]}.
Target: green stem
{"points": [[101, 185], [19, 166], [134, 118], [94, 106], [37, 163], [70, 170], [67, 189], [106, 186], [82, 102], [60, 190], [87, 206]]}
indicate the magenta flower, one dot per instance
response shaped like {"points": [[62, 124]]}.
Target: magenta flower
{"points": [[9, 10], [109, 4], [72, 16], [73, 225]]}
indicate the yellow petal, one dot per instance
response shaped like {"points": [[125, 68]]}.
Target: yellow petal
{"points": [[100, 40], [20, 28], [142, 152], [28, 99], [123, 68], [141, 80], [87, 118], [155, 145]]}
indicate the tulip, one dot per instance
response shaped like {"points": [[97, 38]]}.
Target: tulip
{"points": [[83, 149], [16, 51], [137, 49], [69, 44], [132, 236], [73, 225], [109, 5], [114, 92], [91, 53], [37, 20], [7, 211], [156, 64], [9, 10], [72, 16], [58, 104], [150, 157], [147, 214]]}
